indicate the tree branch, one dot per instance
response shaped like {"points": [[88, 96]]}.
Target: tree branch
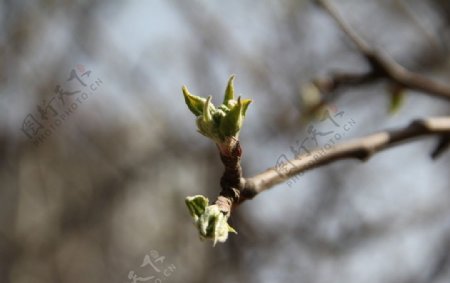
{"points": [[382, 66], [362, 149], [231, 181]]}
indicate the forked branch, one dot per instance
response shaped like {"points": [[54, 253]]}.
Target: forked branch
{"points": [[381, 67]]}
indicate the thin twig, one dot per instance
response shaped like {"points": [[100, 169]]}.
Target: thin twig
{"points": [[382, 66], [362, 149]]}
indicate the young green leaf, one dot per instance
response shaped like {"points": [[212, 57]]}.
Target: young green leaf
{"points": [[245, 104], [232, 122], [397, 98], [196, 205], [207, 108], [229, 92], [193, 102]]}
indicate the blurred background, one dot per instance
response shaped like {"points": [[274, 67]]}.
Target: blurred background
{"points": [[98, 150]]}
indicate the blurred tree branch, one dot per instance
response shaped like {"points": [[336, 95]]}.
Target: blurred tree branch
{"points": [[382, 67], [362, 149]]}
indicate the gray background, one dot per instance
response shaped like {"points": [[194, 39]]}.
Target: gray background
{"points": [[107, 187]]}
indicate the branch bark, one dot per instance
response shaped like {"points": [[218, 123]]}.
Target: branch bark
{"points": [[231, 181], [362, 149], [382, 66]]}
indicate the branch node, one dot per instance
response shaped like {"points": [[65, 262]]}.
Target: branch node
{"points": [[442, 145], [248, 191]]}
